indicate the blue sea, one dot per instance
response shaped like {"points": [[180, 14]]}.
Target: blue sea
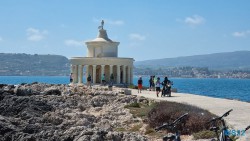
{"points": [[223, 88]]}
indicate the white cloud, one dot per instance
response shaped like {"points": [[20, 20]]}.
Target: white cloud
{"points": [[109, 21], [34, 34], [194, 20], [135, 36], [241, 33], [73, 43]]}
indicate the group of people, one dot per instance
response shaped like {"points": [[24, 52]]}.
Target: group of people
{"points": [[155, 84], [89, 80], [111, 80]]}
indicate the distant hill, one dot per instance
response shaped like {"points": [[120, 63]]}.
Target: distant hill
{"points": [[26, 64], [239, 60]]}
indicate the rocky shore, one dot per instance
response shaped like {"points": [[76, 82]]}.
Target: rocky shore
{"points": [[37, 111]]}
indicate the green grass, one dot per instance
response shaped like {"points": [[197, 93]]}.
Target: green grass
{"points": [[134, 105], [205, 134], [157, 113], [139, 109], [120, 129], [136, 128], [149, 130]]}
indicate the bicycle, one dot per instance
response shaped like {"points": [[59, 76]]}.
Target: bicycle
{"points": [[173, 127], [224, 133]]}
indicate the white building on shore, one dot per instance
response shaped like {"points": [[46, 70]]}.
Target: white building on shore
{"points": [[102, 58]]}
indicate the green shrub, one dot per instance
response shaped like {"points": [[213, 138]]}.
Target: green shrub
{"points": [[135, 105], [139, 109], [164, 112]]}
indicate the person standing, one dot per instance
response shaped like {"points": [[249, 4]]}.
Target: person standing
{"points": [[89, 81], [154, 81], [139, 84], [166, 87], [71, 77], [103, 80], [111, 79], [151, 83], [158, 86]]}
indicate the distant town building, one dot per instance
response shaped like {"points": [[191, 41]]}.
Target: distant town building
{"points": [[102, 58]]}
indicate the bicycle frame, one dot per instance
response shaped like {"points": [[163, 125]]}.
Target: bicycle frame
{"points": [[223, 136], [172, 126]]}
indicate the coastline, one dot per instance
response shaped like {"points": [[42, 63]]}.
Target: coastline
{"points": [[238, 118], [224, 88]]}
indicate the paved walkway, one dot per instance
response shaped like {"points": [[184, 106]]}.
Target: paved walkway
{"points": [[239, 118]]}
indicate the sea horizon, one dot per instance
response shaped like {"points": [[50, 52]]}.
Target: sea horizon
{"points": [[228, 88]]}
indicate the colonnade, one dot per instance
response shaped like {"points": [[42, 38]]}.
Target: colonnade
{"points": [[122, 73]]}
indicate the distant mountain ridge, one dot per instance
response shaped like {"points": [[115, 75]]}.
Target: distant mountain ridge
{"points": [[22, 64], [238, 60]]}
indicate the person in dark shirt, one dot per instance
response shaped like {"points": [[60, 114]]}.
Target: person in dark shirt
{"points": [[89, 81], [166, 87], [71, 77], [139, 84], [111, 79], [151, 81]]}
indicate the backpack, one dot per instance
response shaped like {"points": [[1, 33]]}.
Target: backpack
{"points": [[89, 78]]}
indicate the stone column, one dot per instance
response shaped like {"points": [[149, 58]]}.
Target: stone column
{"points": [[80, 72], [102, 71], [118, 75], [110, 70], [124, 74], [94, 74], [87, 72], [131, 75], [76, 74], [128, 75], [72, 69]]}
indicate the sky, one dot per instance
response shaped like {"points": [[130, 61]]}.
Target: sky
{"points": [[146, 29]]}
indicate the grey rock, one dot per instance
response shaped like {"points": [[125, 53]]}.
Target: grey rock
{"points": [[27, 114], [52, 91]]}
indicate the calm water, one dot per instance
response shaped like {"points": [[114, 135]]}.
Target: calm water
{"points": [[223, 88]]}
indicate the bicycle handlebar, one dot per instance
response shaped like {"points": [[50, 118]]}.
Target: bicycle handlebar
{"points": [[171, 125], [227, 113], [219, 118], [180, 118], [247, 128]]}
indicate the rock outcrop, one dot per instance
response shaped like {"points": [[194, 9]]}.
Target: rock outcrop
{"points": [[64, 113]]}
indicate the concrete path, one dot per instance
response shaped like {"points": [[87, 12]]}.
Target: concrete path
{"points": [[239, 118]]}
